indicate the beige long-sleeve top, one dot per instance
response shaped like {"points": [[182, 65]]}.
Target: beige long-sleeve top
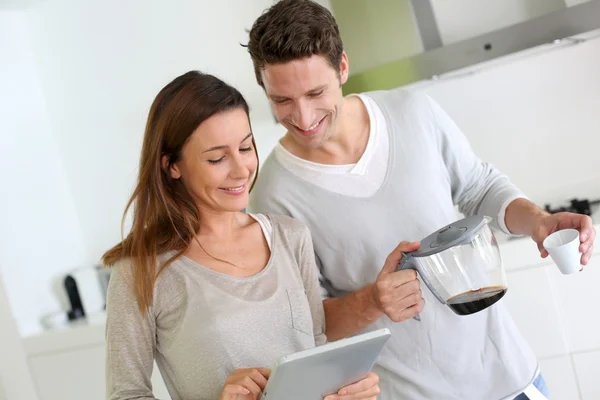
{"points": [[203, 324]]}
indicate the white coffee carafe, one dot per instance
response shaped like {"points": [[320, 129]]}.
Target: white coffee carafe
{"points": [[461, 265]]}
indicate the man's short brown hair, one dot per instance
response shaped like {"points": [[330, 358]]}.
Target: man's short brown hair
{"points": [[291, 30]]}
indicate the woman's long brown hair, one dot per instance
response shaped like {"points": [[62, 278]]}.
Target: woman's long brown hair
{"points": [[165, 217]]}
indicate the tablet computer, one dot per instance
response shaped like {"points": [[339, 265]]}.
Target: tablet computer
{"points": [[315, 373]]}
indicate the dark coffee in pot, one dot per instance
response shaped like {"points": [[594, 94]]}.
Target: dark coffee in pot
{"points": [[476, 300]]}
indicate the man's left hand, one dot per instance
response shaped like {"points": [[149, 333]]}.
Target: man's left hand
{"points": [[551, 223]]}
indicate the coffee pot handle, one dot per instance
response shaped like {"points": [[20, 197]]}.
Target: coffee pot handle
{"points": [[408, 262]]}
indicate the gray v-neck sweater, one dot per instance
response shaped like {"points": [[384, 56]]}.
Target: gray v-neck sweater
{"points": [[204, 324], [431, 168]]}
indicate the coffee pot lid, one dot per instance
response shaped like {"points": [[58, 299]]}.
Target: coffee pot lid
{"points": [[451, 235]]}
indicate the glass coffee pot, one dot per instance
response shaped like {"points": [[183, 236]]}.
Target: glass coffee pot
{"points": [[461, 265]]}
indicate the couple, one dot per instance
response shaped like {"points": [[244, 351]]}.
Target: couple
{"points": [[216, 295]]}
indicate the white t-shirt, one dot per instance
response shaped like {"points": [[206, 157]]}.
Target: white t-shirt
{"points": [[362, 179]]}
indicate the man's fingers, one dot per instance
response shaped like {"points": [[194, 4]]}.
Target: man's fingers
{"points": [[405, 308], [410, 312], [589, 241], [393, 259], [394, 287], [583, 222], [390, 283], [409, 301], [405, 279], [585, 246], [540, 247], [416, 309], [585, 258]]}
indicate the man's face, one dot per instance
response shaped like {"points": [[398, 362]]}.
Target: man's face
{"points": [[306, 97]]}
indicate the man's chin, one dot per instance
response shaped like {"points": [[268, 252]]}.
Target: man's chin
{"points": [[311, 142]]}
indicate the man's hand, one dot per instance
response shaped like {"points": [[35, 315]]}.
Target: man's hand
{"points": [[398, 293], [551, 223]]}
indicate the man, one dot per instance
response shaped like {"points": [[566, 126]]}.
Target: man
{"points": [[367, 171]]}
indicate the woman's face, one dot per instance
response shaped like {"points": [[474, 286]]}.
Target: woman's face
{"points": [[218, 162]]}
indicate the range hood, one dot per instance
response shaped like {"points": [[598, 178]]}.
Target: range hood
{"points": [[574, 23]]}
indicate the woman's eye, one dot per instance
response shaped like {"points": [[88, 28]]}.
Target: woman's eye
{"points": [[216, 161], [246, 149]]}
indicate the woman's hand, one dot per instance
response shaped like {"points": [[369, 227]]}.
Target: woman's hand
{"points": [[366, 389], [245, 384]]}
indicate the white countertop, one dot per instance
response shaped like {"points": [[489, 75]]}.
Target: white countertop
{"points": [[81, 333]]}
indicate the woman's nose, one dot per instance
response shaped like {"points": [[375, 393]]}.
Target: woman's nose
{"points": [[239, 169]]}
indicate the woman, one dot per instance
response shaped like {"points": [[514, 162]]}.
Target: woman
{"points": [[213, 294]]}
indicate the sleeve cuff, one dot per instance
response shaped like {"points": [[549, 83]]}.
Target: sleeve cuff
{"points": [[323, 290], [502, 213]]}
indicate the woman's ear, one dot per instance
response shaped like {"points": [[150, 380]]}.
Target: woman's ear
{"points": [[171, 169]]}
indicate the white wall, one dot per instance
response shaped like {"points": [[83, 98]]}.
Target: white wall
{"points": [[570, 3], [464, 19], [40, 236], [76, 93], [101, 65], [536, 118]]}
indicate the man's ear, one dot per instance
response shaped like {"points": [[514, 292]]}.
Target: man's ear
{"points": [[171, 169], [344, 68]]}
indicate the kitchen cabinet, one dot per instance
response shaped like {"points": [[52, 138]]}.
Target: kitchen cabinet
{"points": [[578, 298], [72, 374], [557, 314], [561, 377], [69, 364], [587, 366], [78, 374], [15, 378], [530, 299]]}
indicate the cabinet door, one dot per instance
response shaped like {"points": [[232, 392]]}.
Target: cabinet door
{"points": [[77, 374], [70, 375], [15, 377], [578, 296]]}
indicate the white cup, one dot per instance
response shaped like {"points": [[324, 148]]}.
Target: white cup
{"points": [[563, 247]]}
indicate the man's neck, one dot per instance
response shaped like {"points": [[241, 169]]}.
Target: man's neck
{"points": [[348, 142]]}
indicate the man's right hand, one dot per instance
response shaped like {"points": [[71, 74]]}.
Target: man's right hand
{"points": [[245, 384], [398, 293]]}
